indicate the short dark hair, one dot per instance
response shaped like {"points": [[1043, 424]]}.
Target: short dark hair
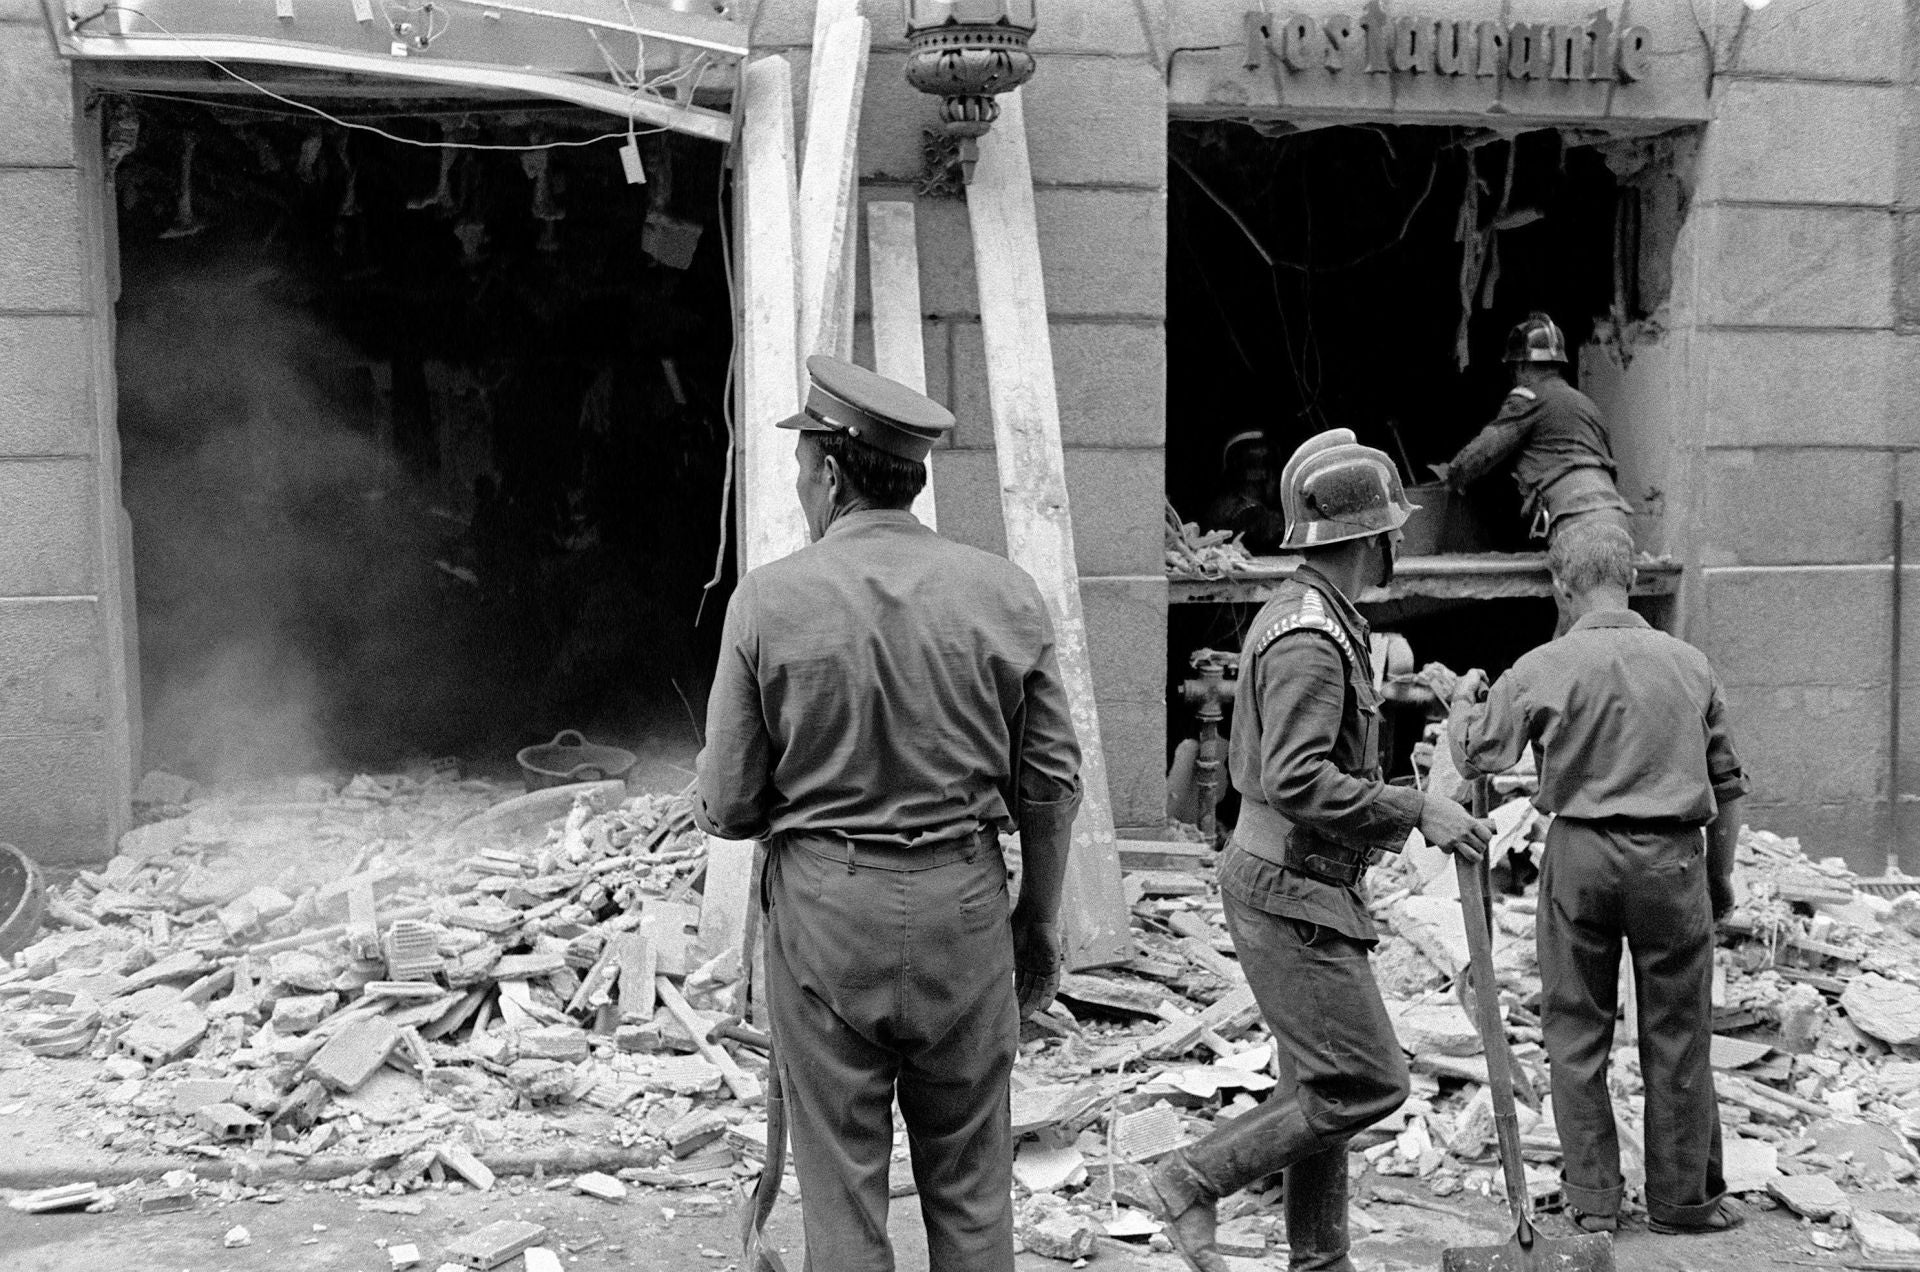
{"points": [[886, 480], [1590, 555]]}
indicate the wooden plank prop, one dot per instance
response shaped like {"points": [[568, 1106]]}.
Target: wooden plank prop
{"points": [[899, 345], [826, 15], [838, 83], [1033, 485], [770, 361]]}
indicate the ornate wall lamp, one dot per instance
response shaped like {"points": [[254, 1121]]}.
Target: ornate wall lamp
{"points": [[967, 52]]}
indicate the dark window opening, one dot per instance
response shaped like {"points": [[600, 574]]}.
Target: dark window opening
{"points": [[1366, 277], [422, 448]]}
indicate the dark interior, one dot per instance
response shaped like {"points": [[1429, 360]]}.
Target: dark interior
{"points": [[1360, 318], [423, 448]]}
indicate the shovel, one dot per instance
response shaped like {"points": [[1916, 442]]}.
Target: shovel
{"points": [[1527, 1250]]}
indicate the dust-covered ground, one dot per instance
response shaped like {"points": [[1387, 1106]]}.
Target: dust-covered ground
{"points": [[317, 1229]]}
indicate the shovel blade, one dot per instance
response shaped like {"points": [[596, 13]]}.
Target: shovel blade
{"points": [[1590, 1252]]}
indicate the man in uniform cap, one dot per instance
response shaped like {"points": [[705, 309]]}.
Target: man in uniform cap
{"points": [[1314, 812], [886, 703]]}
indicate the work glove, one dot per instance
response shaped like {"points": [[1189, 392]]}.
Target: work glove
{"points": [[1037, 958]]}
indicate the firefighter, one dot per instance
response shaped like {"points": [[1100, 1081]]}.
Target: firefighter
{"points": [[885, 704], [1246, 477], [1638, 768], [1314, 812], [1562, 457]]}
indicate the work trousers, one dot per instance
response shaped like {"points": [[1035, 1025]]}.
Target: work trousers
{"points": [[1341, 1068], [884, 983], [1600, 882]]}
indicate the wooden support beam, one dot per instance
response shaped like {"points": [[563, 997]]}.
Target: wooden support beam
{"points": [[773, 524], [838, 84], [825, 15], [1033, 485], [899, 343]]}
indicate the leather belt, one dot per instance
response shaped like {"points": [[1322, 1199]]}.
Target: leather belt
{"points": [[1268, 835], [879, 855]]}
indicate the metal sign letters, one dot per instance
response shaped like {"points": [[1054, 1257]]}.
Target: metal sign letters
{"points": [[1379, 43]]}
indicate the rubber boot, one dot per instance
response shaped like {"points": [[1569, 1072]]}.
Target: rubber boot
{"points": [[1317, 1237], [1186, 1205], [1188, 1183]]}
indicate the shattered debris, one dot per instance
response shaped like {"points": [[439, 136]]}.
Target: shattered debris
{"points": [[455, 977], [411, 971]]}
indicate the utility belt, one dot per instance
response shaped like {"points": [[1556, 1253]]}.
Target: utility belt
{"points": [[1674, 827], [1575, 492], [1266, 834]]}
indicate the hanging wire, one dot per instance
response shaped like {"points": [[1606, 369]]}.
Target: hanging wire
{"points": [[396, 138], [727, 395]]}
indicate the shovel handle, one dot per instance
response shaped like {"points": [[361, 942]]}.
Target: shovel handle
{"points": [[1477, 904]]}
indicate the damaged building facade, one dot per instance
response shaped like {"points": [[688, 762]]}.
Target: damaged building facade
{"points": [[1714, 200]]}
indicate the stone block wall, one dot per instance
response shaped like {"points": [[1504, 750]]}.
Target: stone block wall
{"points": [[65, 740], [1096, 130], [1801, 317]]}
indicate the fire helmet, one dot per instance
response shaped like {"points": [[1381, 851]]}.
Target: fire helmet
{"points": [[1334, 489], [1537, 339]]}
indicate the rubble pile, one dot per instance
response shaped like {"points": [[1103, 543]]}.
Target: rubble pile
{"points": [[1816, 1051], [476, 966], [436, 984]]}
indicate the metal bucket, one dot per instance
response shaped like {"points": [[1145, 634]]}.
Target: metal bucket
{"points": [[23, 901], [571, 758], [1444, 522]]}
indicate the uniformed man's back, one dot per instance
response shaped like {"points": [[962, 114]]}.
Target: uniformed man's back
{"points": [[891, 679]]}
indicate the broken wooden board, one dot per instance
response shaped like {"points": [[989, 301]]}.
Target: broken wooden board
{"points": [[773, 524], [744, 1085], [1135, 998], [1026, 428], [1163, 854], [1233, 1014], [899, 338]]}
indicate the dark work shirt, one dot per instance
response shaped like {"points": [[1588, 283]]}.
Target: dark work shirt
{"points": [[1305, 749], [870, 686], [1627, 721], [1553, 427]]}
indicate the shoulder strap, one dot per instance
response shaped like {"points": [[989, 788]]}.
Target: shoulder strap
{"points": [[1309, 616], [1522, 391]]}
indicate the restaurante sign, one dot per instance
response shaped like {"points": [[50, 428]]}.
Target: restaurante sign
{"points": [[1381, 44]]}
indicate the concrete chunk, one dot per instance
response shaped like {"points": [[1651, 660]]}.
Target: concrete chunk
{"points": [[354, 1054], [1884, 1009], [494, 1244], [1437, 1028], [466, 1165], [226, 1121], [1882, 1239], [164, 1036], [1813, 1196], [596, 1184], [301, 1013]]}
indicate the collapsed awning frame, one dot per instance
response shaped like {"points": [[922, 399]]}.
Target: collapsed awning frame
{"points": [[70, 20]]}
